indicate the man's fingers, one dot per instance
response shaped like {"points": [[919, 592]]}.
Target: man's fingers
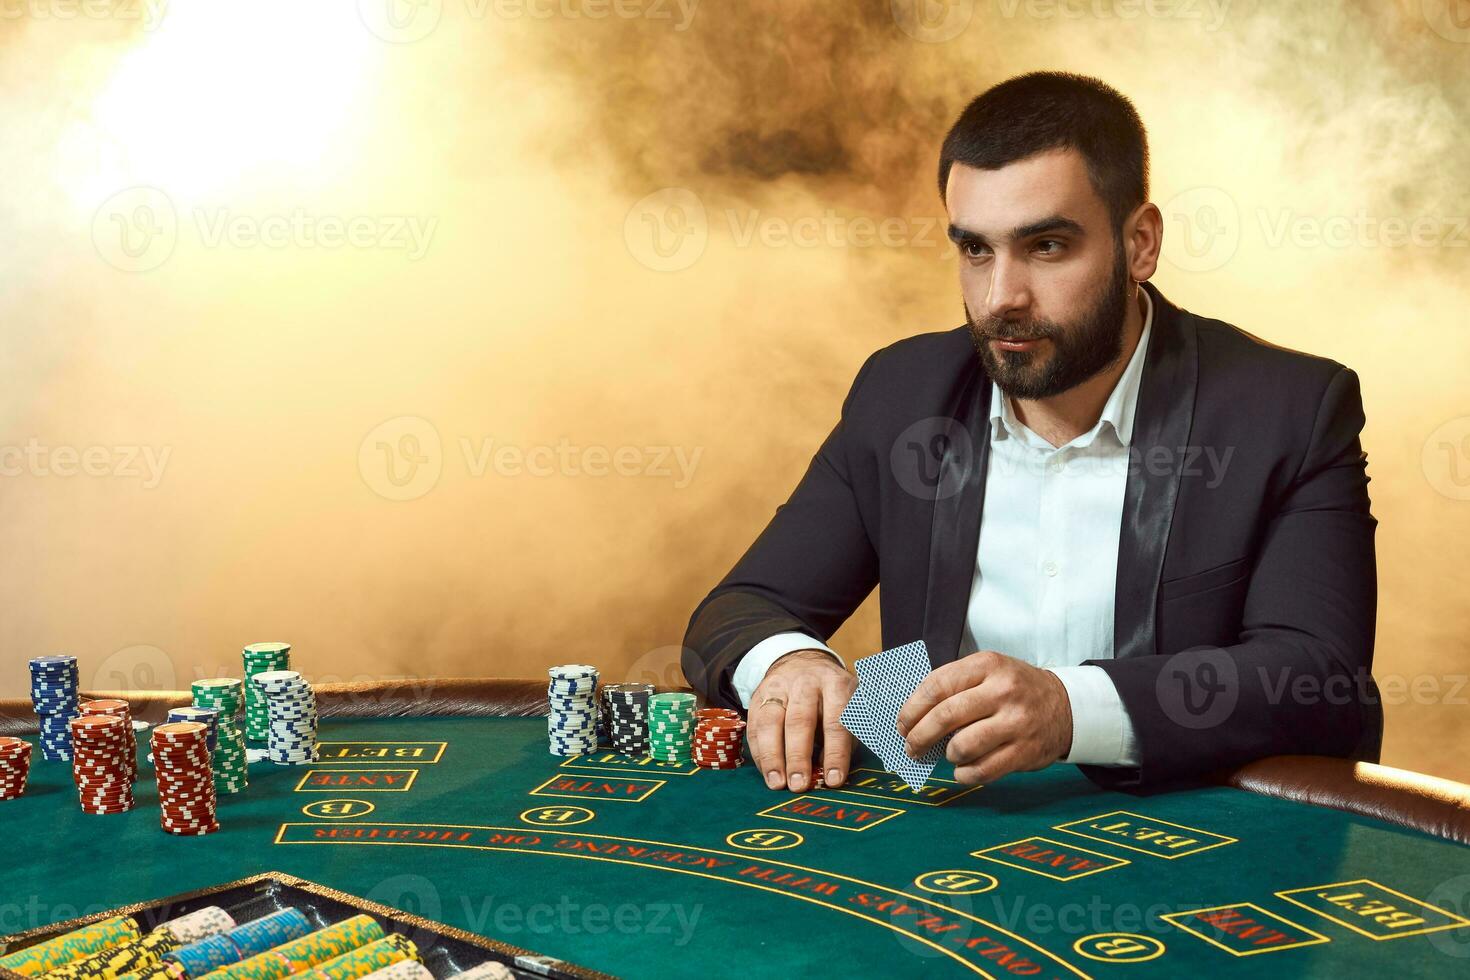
{"points": [[941, 684], [999, 762], [960, 709], [837, 752], [975, 741], [766, 725], [802, 715]]}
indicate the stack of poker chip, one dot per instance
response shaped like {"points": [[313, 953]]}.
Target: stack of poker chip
{"points": [[33, 961], [571, 724], [225, 695], [406, 970], [300, 955], [627, 721], [162, 970], [100, 764], [366, 960], [200, 924], [670, 727], [719, 738], [208, 717], [244, 941], [261, 657], [291, 707], [110, 964], [54, 682], [121, 710], [15, 767], [185, 783], [488, 970]]}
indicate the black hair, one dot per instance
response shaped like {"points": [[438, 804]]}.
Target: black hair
{"points": [[1049, 110]]}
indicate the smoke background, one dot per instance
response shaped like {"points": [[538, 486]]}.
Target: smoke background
{"points": [[612, 270]]}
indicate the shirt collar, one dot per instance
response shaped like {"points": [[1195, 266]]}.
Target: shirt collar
{"points": [[1117, 411]]}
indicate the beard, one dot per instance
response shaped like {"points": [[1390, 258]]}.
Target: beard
{"points": [[1078, 351]]}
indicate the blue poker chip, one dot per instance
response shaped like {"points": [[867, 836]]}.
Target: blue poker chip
{"points": [[205, 956]]}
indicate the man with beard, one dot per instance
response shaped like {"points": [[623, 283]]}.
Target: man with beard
{"points": [[1132, 538]]}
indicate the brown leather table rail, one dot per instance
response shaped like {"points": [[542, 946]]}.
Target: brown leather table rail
{"points": [[1428, 804]]}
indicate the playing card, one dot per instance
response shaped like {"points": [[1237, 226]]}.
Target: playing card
{"points": [[885, 682]]}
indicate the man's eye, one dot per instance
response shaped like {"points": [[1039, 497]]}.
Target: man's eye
{"points": [[972, 250], [1049, 246]]}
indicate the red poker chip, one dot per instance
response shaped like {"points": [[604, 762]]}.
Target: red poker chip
{"points": [[184, 789], [187, 819], [202, 815], [103, 704], [191, 832]]}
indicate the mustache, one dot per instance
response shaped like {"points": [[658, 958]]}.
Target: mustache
{"points": [[994, 330]]}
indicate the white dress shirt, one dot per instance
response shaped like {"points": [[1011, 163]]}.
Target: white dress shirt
{"points": [[1045, 571]]}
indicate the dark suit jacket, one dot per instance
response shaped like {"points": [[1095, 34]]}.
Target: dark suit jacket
{"points": [[1245, 602]]}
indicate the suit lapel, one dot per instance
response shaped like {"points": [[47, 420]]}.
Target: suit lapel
{"points": [[955, 532], [1162, 422]]}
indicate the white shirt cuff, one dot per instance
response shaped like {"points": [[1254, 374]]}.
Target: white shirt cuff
{"points": [[1102, 732], [753, 666]]}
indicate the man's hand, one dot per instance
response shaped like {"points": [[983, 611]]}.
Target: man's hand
{"points": [[802, 692], [1007, 716]]}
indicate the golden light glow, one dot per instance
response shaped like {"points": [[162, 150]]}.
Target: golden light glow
{"points": [[225, 96]]}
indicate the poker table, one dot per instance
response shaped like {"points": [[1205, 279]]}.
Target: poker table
{"points": [[440, 798]]}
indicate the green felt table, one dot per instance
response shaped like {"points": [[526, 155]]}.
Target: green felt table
{"points": [[643, 869]]}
